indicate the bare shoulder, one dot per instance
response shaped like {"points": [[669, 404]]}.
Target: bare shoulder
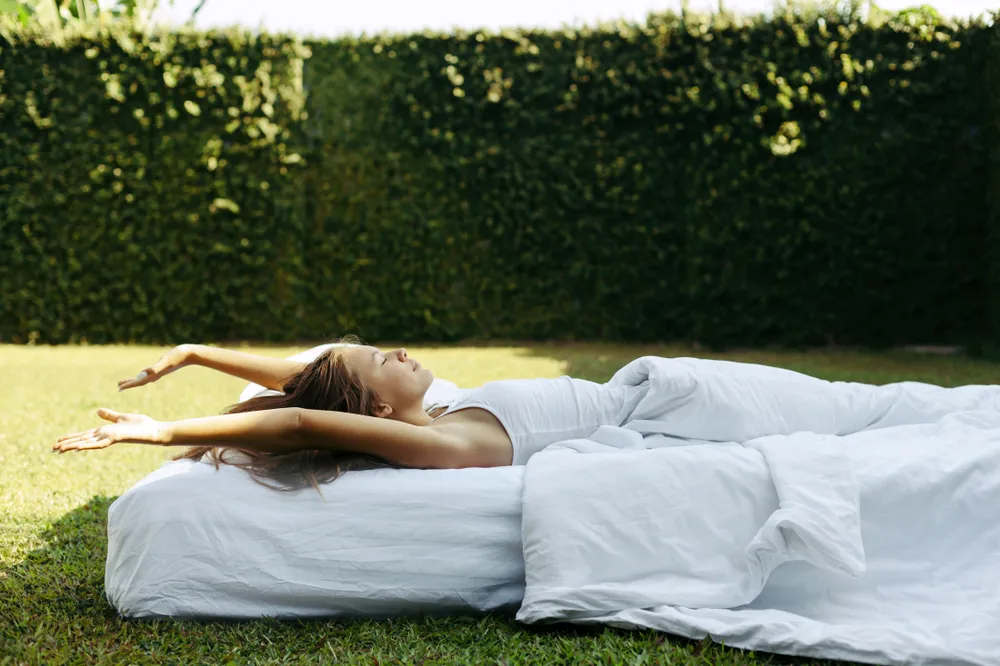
{"points": [[439, 446]]}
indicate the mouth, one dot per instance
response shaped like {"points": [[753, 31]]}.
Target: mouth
{"points": [[416, 366]]}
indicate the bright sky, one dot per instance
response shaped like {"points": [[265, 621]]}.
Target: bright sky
{"points": [[334, 17]]}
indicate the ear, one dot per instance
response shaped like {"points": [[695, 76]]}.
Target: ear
{"points": [[383, 410]]}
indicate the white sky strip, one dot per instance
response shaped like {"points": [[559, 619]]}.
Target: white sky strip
{"points": [[336, 17]]}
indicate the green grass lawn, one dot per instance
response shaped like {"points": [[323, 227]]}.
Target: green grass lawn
{"points": [[53, 510]]}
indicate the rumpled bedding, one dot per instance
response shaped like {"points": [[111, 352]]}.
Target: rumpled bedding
{"points": [[777, 512], [760, 507]]}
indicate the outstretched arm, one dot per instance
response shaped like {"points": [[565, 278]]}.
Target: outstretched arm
{"points": [[290, 429], [269, 372]]}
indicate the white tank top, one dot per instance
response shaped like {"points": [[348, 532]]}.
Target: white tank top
{"points": [[539, 412]]}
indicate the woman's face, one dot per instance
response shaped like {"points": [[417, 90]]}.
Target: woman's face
{"points": [[398, 379]]}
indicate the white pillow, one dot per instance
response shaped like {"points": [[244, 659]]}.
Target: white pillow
{"points": [[441, 392], [195, 542]]}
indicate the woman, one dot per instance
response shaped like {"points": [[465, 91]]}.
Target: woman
{"points": [[356, 407]]}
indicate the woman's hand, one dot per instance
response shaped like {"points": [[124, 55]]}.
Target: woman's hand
{"points": [[126, 428], [175, 359]]}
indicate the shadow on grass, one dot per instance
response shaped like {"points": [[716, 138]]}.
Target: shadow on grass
{"points": [[66, 576], [44, 596]]}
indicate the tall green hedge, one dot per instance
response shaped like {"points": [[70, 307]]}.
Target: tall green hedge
{"points": [[990, 342], [787, 181], [147, 187], [776, 182]]}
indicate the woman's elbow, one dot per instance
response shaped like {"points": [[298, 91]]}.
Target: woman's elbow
{"points": [[296, 428]]}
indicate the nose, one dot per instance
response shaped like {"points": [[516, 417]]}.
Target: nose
{"points": [[401, 353]]}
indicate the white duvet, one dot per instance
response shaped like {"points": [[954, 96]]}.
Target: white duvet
{"points": [[777, 512]]}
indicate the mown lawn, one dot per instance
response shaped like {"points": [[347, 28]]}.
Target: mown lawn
{"points": [[53, 508]]}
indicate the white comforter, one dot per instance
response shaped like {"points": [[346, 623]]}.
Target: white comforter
{"points": [[777, 512]]}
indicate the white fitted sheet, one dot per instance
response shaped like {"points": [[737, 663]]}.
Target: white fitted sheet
{"points": [[190, 541]]}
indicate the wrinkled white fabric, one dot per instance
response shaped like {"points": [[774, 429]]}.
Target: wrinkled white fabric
{"points": [[190, 541], [777, 512], [699, 526], [727, 401]]}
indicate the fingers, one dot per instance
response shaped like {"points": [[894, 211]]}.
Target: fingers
{"points": [[80, 441], [89, 443], [77, 435], [146, 376], [110, 415], [106, 414], [124, 429], [95, 438], [164, 366]]}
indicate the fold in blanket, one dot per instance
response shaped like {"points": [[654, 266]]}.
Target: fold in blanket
{"points": [[777, 512], [687, 526]]}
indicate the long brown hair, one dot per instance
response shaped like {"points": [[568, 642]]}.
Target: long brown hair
{"points": [[326, 383]]}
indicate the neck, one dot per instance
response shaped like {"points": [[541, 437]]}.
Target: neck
{"points": [[413, 416]]}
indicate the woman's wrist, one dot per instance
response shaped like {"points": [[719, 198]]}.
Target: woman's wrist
{"points": [[165, 433]]}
